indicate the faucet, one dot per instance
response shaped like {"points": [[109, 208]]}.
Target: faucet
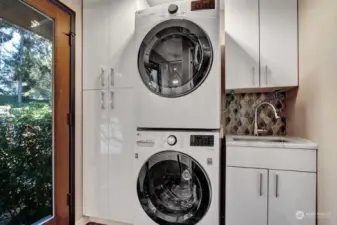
{"points": [[256, 130]]}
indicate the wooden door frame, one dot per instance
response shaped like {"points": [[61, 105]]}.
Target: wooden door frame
{"points": [[64, 195]]}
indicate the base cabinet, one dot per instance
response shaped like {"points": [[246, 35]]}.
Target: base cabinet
{"points": [[292, 198], [273, 197], [108, 137], [246, 196]]}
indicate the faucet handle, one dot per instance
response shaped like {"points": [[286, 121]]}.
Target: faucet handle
{"points": [[261, 131]]}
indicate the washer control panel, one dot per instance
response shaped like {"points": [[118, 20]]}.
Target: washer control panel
{"points": [[202, 140]]}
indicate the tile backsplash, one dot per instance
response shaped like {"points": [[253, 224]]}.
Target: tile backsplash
{"points": [[240, 113]]}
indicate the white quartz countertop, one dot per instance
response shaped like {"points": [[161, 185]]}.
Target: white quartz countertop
{"points": [[270, 142]]}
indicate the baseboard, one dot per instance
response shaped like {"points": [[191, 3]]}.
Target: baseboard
{"points": [[106, 222], [82, 221]]}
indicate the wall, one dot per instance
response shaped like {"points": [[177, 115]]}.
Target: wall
{"points": [[76, 5], [312, 109]]}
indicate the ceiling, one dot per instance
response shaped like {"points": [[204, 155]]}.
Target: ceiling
{"points": [[21, 15]]}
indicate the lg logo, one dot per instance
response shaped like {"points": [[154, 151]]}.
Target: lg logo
{"points": [[300, 215]]}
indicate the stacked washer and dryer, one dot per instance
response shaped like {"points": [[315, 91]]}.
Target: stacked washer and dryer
{"points": [[178, 95]]}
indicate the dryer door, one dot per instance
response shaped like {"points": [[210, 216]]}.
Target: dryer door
{"points": [[173, 189], [175, 58]]}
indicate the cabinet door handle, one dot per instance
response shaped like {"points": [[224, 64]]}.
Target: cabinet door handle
{"points": [[277, 186], [266, 74], [112, 100], [253, 76], [102, 78], [112, 77], [261, 184], [102, 100]]}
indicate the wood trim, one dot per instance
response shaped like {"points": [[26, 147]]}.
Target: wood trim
{"points": [[62, 22]]}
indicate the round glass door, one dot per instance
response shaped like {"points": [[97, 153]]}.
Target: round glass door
{"points": [[175, 58], [173, 189]]}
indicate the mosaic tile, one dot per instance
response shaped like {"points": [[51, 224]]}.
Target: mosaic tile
{"points": [[240, 113]]}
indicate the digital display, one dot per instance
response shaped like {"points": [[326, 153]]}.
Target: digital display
{"points": [[202, 5], [202, 140]]}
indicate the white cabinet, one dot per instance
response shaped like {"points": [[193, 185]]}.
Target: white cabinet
{"points": [[108, 138], [95, 154], [274, 186], [292, 198], [108, 29], [246, 196], [261, 41], [279, 44], [261, 197], [121, 155], [242, 44], [95, 42]]}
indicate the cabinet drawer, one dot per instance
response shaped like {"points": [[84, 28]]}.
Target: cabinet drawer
{"points": [[272, 158]]}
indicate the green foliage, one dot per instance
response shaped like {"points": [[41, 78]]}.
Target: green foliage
{"points": [[26, 164], [29, 62]]}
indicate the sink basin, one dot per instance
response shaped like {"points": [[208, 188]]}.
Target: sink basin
{"points": [[269, 142], [262, 139]]}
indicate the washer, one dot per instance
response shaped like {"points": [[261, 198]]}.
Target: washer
{"points": [[177, 178], [177, 72]]}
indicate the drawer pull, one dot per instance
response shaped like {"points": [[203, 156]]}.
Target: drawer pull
{"points": [[277, 194], [261, 184]]}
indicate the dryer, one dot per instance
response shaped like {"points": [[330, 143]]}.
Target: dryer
{"points": [[177, 72], [177, 178]]}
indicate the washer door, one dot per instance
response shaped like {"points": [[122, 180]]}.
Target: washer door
{"points": [[175, 58], [173, 189]]}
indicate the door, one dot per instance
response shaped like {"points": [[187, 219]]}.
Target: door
{"points": [[96, 153], [292, 198], [242, 44], [34, 106], [279, 43], [96, 69], [122, 132], [175, 58], [173, 189], [246, 196], [121, 50]]}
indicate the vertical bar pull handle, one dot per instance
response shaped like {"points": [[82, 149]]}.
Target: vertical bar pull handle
{"points": [[253, 76], [277, 194], [112, 77], [102, 78], [102, 100], [266, 74], [112, 100], [261, 184]]}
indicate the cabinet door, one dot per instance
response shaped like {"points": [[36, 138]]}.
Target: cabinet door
{"points": [[95, 44], [279, 45], [292, 198], [242, 44], [246, 196], [121, 145], [121, 51], [95, 154]]}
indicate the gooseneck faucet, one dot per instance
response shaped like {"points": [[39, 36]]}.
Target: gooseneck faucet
{"points": [[256, 130]]}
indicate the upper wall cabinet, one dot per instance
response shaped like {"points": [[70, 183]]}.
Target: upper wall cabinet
{"points": [[261, 44], [279, 43], [108, 29], [242, 44]]}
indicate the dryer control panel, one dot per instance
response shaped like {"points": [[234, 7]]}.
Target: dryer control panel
{"points": [[202, 140]]}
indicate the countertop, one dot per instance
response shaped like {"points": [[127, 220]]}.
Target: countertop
{"points": [[270, 142]]}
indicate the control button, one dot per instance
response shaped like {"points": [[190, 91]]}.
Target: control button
{"points": [[173, 8], [172, 140]]}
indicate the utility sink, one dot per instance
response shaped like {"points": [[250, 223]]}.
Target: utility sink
{"points": [[262, 139], [269, 142]]}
